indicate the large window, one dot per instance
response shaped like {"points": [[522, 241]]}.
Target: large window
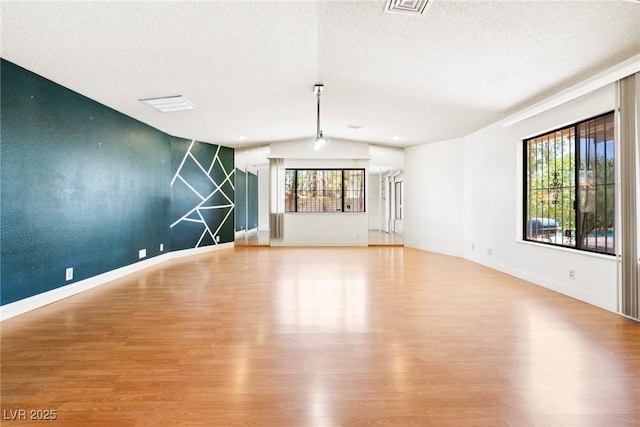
{"points": [[324, 190], [569, 186]]}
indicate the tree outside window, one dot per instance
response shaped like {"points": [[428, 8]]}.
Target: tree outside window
{"points": [[570, 186]]}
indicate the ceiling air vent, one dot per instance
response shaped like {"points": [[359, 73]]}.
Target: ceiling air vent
{"points": [[411, 7]]}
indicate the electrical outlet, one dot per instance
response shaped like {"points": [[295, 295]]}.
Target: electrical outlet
{"points": [[473, 247], [572, 274], [69, 274], [489, 251], [161, 247], [142, 253], [217, 238]]}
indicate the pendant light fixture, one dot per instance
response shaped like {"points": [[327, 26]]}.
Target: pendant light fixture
{"points": [[320, 139]]}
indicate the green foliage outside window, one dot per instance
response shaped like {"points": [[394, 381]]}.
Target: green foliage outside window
{"points": [[324, 190], [570, 186]]}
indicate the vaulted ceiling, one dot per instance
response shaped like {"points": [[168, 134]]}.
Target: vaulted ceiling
{"points": [[250, 67]]}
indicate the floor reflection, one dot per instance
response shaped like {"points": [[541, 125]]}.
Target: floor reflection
{"points": [[382, 238], [323, 304], [261, 238], [561, 369], [252, 238]]}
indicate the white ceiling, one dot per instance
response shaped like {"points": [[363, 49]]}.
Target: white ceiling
{"points": [[250, 67]]}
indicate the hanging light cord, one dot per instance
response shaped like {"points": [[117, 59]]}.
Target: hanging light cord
{"points": [[319, 141], [318, 131]]}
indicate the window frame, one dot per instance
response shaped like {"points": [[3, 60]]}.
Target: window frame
{"points": [[575, 184], [363, 196]]}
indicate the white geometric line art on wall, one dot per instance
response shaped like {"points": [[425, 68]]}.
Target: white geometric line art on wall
{"points": [[194, 214]]}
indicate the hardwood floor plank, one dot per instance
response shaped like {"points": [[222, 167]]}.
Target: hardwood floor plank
{"points": [[322, 337]]}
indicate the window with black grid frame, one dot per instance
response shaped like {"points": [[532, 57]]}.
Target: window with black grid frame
{"points": [[324, 190], [569, 186]]}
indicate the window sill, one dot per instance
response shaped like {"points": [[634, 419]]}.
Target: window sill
{"points": [[325, 213], [568, 250]]}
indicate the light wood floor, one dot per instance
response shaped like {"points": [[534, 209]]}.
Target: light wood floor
{"points": [[322, 337]]}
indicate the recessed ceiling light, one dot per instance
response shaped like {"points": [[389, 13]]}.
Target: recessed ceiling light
{"points": [[169, 104], [396, 138], [242, 138]]}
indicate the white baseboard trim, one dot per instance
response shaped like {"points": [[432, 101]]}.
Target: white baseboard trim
{"points": [[22, 306], [551, 285], [529, 277], [314, 243], [427, 248], [202, 250], [241, 233]]}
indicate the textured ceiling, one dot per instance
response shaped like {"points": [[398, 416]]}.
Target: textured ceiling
{"points": [[250, 67]]}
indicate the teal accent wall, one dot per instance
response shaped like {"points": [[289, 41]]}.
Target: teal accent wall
{"points": [[83, 186], [202, 194]]}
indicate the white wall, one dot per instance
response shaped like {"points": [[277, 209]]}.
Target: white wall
{"points": [[464, 198], [493, 207], [322, 229], [250, 159], [373, 203], [333, 149], [263, 197], [386, 159], [433, 206]]}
